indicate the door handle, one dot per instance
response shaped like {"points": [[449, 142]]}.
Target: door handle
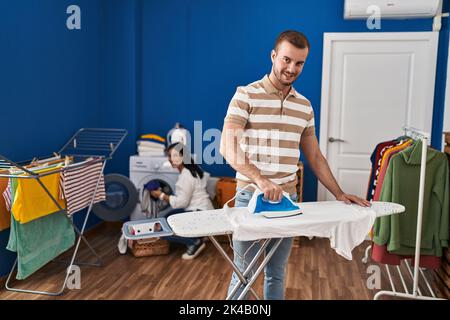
{"points": [[331, 139]]}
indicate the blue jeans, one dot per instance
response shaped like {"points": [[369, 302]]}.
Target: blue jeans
{"points": [[186, 241], [275, 269]]}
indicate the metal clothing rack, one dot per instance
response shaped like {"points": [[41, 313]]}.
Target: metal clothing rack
{"points": [[98, 144], [416, 292]]}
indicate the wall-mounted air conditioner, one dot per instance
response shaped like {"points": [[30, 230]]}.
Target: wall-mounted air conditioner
{"points": [[391, 9]]}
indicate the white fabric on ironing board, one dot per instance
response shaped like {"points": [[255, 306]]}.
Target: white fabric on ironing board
{"points": [[345, 225]]}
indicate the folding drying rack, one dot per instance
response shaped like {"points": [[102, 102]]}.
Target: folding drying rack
{"points": [[99, 144]]}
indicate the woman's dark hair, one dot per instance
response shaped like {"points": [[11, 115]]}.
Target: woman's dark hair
{"points": [[188, 162]]}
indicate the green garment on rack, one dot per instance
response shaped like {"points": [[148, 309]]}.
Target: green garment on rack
{"points": [[39, 241], [401, 185]]}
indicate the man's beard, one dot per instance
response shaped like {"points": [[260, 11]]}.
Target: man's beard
{"points": [[278, 75]]}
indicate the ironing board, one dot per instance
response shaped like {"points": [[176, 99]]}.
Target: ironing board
{"points": [[237, 221]]}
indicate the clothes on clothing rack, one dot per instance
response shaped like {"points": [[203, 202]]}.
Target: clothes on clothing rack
{"points": [[78, 185], [380, 252], [385, 163], [397, 175], [376, 159], [382, 255], [39, 241]]}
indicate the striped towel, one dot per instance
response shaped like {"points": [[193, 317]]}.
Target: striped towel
{"points": [[7, 195], [78, 185]]}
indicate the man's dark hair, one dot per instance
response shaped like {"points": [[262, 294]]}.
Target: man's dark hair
{"points": [[296, 38]]}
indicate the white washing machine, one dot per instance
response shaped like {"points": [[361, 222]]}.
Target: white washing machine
{"points": [[146, 169]]}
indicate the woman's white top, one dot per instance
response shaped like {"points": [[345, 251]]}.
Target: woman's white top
{"points": [[190, 192]]}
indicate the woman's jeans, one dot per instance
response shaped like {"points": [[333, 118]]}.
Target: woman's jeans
{"points": [[274, 271], [187, 241]]}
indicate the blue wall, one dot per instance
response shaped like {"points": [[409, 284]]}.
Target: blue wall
{"points": [[441, 80], [145, 64], [195, 54], [49, 77], [49, 81], [119, 73]]}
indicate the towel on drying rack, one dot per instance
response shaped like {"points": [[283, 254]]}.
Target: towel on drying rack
{"points": [[74, 187], [39, 241], [31, 201], [78, 186], [7, 195]]}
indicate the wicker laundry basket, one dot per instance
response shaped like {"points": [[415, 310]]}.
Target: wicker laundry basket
{"points": [[149, 247]]}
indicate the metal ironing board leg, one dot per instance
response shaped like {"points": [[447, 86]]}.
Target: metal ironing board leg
{"points": [[235, 268], [249, 269], [261, 267], [243, 280]]}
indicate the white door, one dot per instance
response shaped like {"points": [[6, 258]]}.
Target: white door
{"points": [[373, 84]]}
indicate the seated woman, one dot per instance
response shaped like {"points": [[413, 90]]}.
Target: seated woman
{"points": [[190, 194]]}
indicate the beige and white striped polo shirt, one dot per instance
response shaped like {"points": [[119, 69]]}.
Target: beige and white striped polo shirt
{"points": [[272, 130]]}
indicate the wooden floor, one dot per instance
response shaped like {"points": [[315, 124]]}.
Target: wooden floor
{"points": [[315, 271]]}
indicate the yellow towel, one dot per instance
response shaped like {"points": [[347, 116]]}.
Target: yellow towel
{"points": [[32, 202]]}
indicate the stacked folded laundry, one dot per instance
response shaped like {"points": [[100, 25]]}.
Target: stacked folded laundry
{"points": [[151, 145]]}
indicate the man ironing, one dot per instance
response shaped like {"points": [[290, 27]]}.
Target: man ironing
{"points": [[266, 123]]}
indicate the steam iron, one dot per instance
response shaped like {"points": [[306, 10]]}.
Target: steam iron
{"points": [[260, 206]]}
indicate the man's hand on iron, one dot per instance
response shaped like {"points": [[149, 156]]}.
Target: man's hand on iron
{"points": [[272, 191], [349, 198]]}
